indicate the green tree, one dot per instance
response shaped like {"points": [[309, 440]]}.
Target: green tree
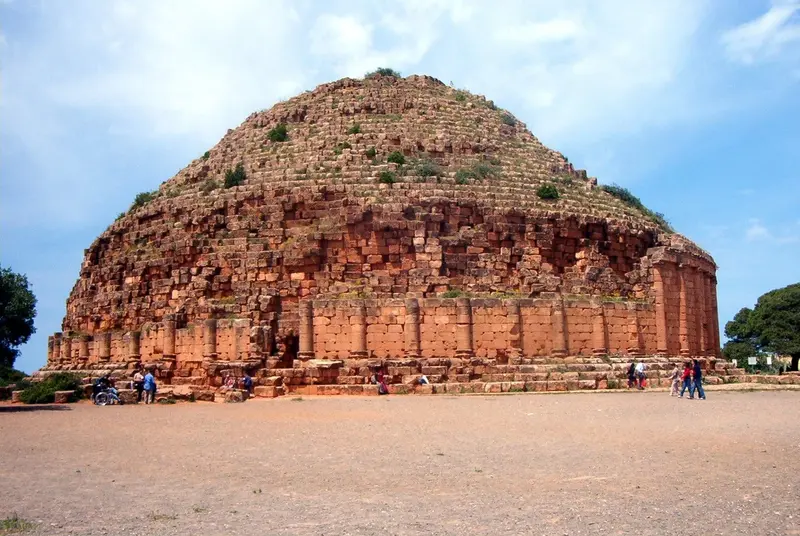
{"points": [[17, 311], [772, 326]]}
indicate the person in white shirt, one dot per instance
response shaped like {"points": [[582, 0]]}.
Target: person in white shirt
{"points": [[640, 375]]}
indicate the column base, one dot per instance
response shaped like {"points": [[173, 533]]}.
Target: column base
{"points": [[465, 354], [685, 352], [635, 350], [305, 356], [599, 351], [558, 353], [359, 354], [168, 357]]}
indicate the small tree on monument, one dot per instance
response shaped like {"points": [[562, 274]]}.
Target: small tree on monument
{"points": [[772, 326], [17, 311]]}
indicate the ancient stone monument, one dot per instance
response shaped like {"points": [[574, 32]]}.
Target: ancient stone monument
{"points": [[386, 222]]}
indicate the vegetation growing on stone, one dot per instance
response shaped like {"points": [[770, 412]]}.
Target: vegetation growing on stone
{"points": [[387, 177], [427, 168], [547, 191], [370, 153], [142, 198], [396, 157], [236, 176], [463, 175], [208, 186], [624, 195], [355, 129], [382, 71], [461, 96], [341, 146], [278, 133], [484, 170], [206, 155], [508, 119]]}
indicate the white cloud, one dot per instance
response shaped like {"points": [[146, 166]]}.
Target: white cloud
{"points": [[757, 232], [765, 36]]}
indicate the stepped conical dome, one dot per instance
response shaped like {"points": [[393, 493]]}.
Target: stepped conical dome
{"points": [[381, 189]]}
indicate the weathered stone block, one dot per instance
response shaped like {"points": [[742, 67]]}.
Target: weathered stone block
{"points": [[235, 396], [64, 397]]}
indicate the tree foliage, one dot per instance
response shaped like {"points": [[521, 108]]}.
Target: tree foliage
{"points": [[17, 311], [772, 326]]}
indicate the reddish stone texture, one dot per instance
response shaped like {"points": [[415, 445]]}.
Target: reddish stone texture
{"points": [[314, 258]]}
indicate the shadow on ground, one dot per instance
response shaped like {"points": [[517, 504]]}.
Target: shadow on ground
{"points": [[34, 407]]}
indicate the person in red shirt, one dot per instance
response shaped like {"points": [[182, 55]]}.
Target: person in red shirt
{"points": [[686, 377]]}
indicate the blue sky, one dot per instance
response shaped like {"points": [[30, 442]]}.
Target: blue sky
{"points": [[692, 104]]}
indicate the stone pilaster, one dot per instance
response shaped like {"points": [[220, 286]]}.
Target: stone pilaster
{"points": [[358, 332], [306, 339], [700, 312], [464, 344], [83, 348], [714, 318], [559, 325], [57, 338], [599, 342], [210, 339], [66, 347], [634, 331], [411, 328], [50, 347], [134, 346]]}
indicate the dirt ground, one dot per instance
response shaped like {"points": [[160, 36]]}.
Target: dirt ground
{"points": [[613, 463]]}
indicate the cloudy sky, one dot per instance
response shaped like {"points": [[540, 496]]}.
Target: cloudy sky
{"points": [[692, 104]]}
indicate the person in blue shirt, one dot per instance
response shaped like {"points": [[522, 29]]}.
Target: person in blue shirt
{"points": [[247, 383], [697, 374], [149, 388]]}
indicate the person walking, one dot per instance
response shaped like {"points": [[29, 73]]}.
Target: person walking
{"points": [[676, 380], [640, 375], [631, 374], [697, 374], [247, 383], [149, 388], [686, 378]]}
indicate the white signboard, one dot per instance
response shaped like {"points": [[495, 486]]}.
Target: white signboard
{"points": [[769, 360], [735, 363], [752, 361]]}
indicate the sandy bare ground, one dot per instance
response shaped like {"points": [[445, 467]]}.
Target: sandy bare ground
{"points": [[618, 463]]}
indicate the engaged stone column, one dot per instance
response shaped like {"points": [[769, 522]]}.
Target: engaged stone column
{"points": [[83, 348], [661, 310], [700, 311], [66, 348], [714, 318], [306, 342], [464, 346], [210, 339], [169, 337], [516, 337], [683, 319], [413, 340], [599, 345], [558, 318], [104, 346], [134, 344], [358, 332], [57, 346], [50, 346], [634, 331]]}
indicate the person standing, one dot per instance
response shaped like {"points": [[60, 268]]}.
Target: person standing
{"points": [[631, 374], [676, 380], [149, 388], [247, 383], [697, 374], [686, 377], [138, 384]]}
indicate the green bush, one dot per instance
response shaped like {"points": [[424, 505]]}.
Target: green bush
{"points": [[278, 134], [396, 157], [451, 294], [235, 177], [387, 177], [371, 152], [463, 175], [624, 195], [9, 375], [547, 191], [142, 199], [461, 96], [44, 392], [382, 71], [206, 155], [355, 129], [208, 186], [508, 119], [484, 170], [341, 146], [428, 168]]}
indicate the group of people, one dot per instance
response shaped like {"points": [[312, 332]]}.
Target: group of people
{"points": [[245, 383], [691, 378], [145, 384]]}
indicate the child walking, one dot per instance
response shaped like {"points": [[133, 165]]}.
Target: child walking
{"points": [[676, 380]]}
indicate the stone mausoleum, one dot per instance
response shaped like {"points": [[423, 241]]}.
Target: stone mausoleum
{"points": [[395, 223]]}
